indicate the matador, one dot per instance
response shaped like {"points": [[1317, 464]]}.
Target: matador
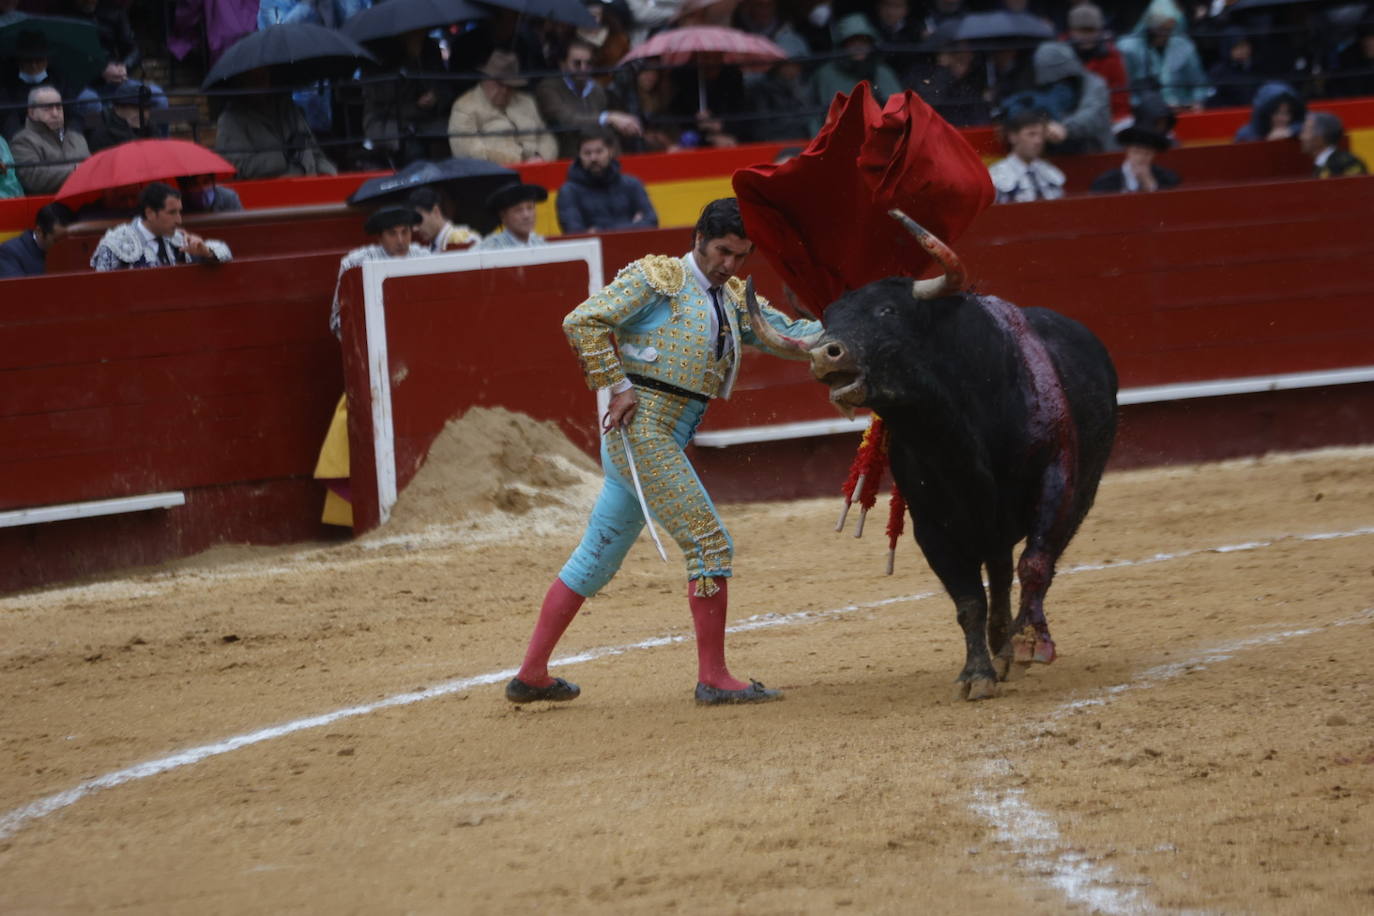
{"points": [[679, 323]]}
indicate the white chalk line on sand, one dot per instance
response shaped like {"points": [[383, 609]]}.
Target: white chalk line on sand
{"points": [[1036, 838]]}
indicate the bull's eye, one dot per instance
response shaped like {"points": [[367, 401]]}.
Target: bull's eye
{"points": [[886, 311]]}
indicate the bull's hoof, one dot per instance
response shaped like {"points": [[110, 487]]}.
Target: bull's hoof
{"points": [[1044, 651], [1023, 646], [978, 688], [1009, 670]]}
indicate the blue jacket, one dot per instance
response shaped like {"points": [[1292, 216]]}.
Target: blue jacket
{"points": [[1267, 100], [588, 202], [21, 256]]}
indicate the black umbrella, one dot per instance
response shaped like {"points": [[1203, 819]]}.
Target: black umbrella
{"points": [[74, 49], [297, 52], [570, 11], [396, 17], [467, 182], [1001, 24]]}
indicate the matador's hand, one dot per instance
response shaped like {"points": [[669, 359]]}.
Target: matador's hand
{"points": [[622, 410]]}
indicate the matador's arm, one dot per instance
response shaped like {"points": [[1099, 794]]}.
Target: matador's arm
{"points": [[589, 326]]}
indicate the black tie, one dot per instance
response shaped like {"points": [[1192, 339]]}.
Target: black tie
{"points": [[722, 328], [1038, 191], [162, 257]]}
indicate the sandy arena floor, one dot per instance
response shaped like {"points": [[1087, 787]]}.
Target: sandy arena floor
{"points": [[322, 730]]}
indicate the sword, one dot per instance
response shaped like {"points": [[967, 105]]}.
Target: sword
{"points": [[639, 491]]}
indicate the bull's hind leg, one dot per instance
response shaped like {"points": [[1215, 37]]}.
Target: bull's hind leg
{"points": [[999, 613], [1051, 527]]}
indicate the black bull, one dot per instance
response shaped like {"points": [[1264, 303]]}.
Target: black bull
{"points": [[1000, 423]]}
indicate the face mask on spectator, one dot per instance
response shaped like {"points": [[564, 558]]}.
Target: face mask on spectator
{"points": [[201, 198], [33, 79], [819, 15]]}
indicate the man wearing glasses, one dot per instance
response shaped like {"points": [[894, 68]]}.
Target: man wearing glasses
{"points": [[574, 102]]}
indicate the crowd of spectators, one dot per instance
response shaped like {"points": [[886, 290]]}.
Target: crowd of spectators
{"points": [[512, 88]]}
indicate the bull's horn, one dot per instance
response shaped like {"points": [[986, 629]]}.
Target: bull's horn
{"points": [[771, 335], [954, 279]]}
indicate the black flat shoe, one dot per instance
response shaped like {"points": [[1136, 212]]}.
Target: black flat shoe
{"points": [[517, 691], [707, 695]]}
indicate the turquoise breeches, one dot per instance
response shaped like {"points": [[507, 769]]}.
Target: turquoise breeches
{"points": [[662, 427]]}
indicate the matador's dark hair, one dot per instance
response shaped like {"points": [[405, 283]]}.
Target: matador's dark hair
{"points": [[721, 218], [154, 197]]}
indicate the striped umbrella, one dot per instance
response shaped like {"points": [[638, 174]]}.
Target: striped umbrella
{"points": [[678, 46]]}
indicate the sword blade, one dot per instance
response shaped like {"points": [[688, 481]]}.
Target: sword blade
{"points": [[639, 491]]}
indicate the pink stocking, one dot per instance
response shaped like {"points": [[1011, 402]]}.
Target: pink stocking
{"points": [[561, 605], [708, 616]]}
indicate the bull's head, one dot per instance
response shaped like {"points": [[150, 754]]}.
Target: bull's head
{"points": [[839, 363]]}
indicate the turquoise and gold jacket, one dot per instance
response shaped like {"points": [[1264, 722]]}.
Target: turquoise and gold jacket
{"points": [[662, 320]]}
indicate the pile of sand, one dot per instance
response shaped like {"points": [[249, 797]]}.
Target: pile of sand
{"points": [[493, 468]]}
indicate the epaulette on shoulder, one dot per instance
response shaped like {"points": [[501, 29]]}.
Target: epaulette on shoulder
{"points": [[664, 273]]}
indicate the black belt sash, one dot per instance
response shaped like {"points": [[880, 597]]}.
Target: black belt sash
{"points": [[645, 382]]}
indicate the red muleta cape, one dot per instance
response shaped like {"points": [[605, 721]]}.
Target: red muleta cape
{"points": [[821, 218]]}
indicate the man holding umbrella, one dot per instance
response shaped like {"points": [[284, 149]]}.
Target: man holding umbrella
{"points": [[265, 135]]}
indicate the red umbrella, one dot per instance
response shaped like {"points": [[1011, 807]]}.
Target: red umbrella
{"points": [[139, 162], [678, 46]]}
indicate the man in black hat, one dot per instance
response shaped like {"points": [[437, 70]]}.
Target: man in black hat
{"points": [[514, 205], [1138, 171], [393, 227]]}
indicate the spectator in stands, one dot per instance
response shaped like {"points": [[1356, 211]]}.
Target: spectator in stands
{"points": [[1077, 102], [126, 119], [435, 230], [203, 194], [1161, 59], [9, 176], [722, 86], [514, 205], [938, 12], [781, 104], [155, 237], [898, 34], [122, 55], [496, 121], [1352, 70], [1099, 55], [1322, 133], [647, 93], [954, 85], [1024, 176], [407, 116], [761, 17], [264, 135], [857, 37], [25, 255], [1277, 114], [31, 69], [45, 152], [503, 30], [597, 196], [1233, 77], [1138, 170], [573, 102], [611, 38]]}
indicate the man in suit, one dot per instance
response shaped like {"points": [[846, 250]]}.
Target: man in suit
{"points": [[573, 103], [1321, 136], [26, 254]]}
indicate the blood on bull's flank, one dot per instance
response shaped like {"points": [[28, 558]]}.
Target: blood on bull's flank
{"points": [[1000, 421]]}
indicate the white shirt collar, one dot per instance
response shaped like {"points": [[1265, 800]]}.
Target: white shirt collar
{"points": [[1324, 155], [704, 283], [144, 232]]}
